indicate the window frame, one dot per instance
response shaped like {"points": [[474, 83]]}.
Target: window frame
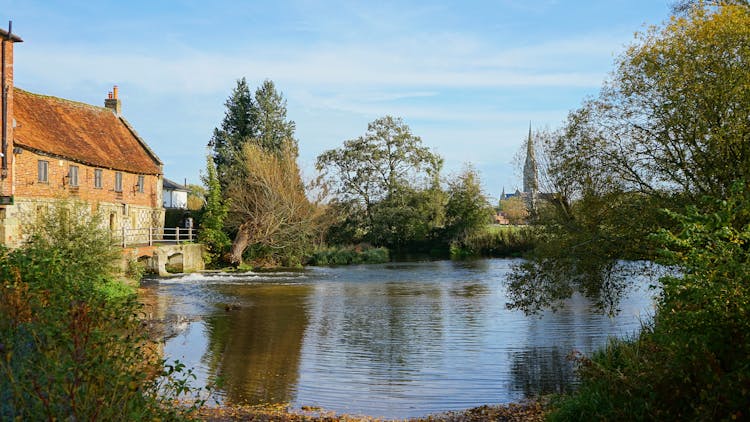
{"points": [[118, 181], [73, 176], [141, 184], [42, 168], [98, 176]]}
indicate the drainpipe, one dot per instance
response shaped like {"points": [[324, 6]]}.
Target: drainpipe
{"points": [[3, 77]]}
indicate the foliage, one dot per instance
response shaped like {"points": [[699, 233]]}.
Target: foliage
{"points": [[694, 362], [72, 346], [467, 210], [349, 255], [274, 133], [660, 135], [260, 120], [270, 210], [211, 233], [515, 210], [495, 241], [196, 197], [387, 187], [376, 166]]}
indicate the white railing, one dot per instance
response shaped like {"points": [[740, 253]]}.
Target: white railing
{"points": [[152, 235]]}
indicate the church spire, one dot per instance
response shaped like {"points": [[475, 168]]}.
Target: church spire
{"points": [[530, 181]]}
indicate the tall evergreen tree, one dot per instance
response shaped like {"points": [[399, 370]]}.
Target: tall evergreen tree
{"points": [[274, 130], [240, 125]]}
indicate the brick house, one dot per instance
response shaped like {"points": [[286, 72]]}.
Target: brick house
{"points": [[55, 149]]}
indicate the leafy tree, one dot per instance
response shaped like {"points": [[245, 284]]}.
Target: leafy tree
{"points": [[196, 197], [212, 233], [467, 210], [660, 135], [375, 166], [693, 361], [515, 210], [390, 180]]}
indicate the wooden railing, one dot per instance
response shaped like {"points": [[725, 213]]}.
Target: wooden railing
{"points": [[153, 235]]}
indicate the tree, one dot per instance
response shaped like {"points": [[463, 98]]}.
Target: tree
{"points": [[467, 209], [381, 170], [660, 135], [515, 210], [269, 208], [212, 233], [240, 124], [275, 132]]}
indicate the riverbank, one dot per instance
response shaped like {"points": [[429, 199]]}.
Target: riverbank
{"points": [[515, 412]]}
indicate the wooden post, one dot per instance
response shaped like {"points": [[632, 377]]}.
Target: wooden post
{"points": [[124, 241], [177, 234]]}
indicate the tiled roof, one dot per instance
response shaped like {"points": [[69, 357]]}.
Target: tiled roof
{"points": [[80, 132], [13, 37]]}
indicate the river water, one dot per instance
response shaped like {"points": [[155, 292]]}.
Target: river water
{"points": [[393, 340]]}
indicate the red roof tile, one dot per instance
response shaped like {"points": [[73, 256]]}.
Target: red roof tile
{"points": [[80, 132]]}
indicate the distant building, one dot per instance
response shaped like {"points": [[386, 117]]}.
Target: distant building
{"points": [[175, 195], [54, 149]]}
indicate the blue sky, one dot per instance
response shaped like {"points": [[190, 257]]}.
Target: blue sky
{"points": [[467, 76]]}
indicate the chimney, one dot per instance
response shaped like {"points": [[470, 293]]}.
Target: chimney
{"points": [[113, 102], [7, 39]]}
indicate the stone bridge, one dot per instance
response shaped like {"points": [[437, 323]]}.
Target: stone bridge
{"points": [[166, 259]]}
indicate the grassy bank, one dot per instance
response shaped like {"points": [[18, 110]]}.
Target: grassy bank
{"points": [[495, 241]]}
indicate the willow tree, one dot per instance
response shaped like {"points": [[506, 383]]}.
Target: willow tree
{"points": [[269, 208]]}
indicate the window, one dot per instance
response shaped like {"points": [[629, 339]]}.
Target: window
{"points": [[98, 178], [42, 171], [118, 181], [73, 176], [139, 186]]}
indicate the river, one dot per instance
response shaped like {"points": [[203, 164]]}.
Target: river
{"points": [[393, 340]]}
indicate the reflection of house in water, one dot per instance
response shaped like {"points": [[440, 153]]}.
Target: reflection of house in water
{"points": [[260, 365]]}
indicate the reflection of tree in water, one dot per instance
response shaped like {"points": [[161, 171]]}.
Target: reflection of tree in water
{"points": [[255, 349], [542, 370]]}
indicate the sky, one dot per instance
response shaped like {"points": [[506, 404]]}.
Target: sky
{"points": [[468, 77]]}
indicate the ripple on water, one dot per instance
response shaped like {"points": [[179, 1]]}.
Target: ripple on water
{"points": [[391, 340]]}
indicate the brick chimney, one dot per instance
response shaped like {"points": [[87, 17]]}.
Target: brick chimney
{"points": [[113, 102], [7, 39]]}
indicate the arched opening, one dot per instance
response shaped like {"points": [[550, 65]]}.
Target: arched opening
{"points": [[175, 263]]}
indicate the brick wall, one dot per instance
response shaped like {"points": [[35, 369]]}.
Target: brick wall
{"points": [[58, 184]]}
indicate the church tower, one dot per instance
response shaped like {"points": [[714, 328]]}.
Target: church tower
{"points": [[530, 181]]}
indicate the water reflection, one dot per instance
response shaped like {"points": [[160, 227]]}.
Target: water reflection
{"points": [[393, 340], [254, 346]]}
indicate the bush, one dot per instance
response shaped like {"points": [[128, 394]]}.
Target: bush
{"points": [[694, 362], [349, 255], [494, 241], [71, 344]]}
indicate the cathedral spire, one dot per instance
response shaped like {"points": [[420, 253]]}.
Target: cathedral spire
{"points": [[530, 181]]}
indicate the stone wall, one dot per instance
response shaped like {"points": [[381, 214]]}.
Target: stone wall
{"points": [[16, 219]]}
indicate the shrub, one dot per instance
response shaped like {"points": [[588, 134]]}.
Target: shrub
{"points": [[494, 241], [71, 344], [349, 255]]}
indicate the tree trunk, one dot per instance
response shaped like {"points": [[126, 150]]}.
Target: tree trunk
{"points": [[239, 244]]}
